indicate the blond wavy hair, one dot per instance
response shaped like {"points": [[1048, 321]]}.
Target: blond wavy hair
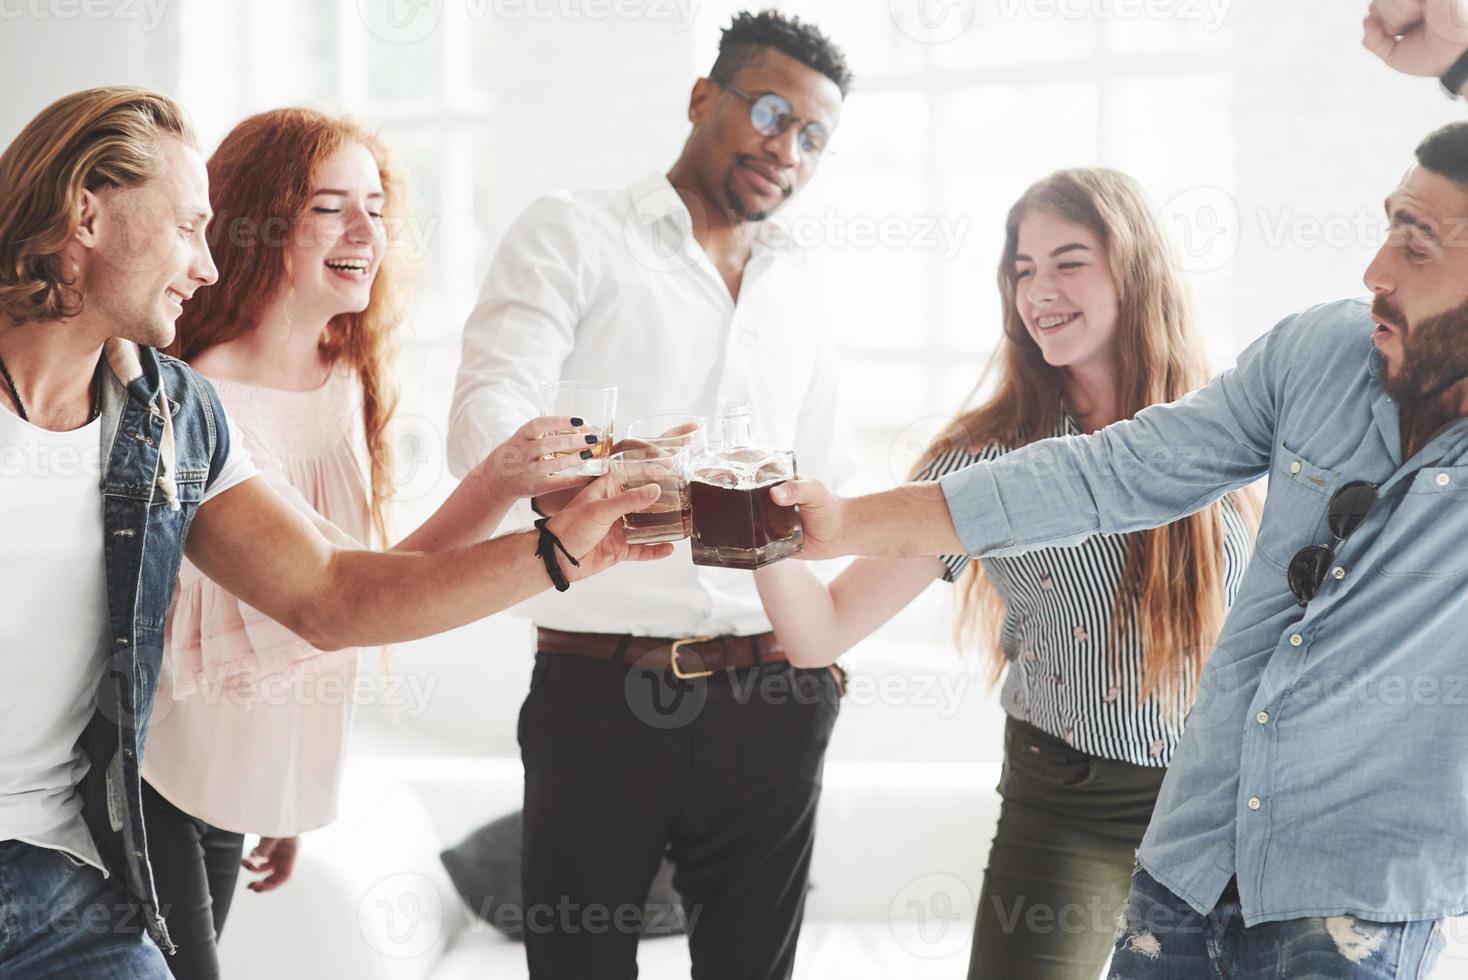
{"points": [[90, 140]]}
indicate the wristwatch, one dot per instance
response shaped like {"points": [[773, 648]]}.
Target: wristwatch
{"points": [[1455, 76]]}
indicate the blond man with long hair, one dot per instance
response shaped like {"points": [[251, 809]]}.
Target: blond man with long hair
{"points": [[118, 461], [1100, 645]]}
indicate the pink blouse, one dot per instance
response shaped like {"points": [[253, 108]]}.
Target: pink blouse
{"points": [[249, 728]]}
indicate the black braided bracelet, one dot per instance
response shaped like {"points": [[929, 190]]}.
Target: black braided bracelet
{"points": [[1455, 76], [546, 551]]}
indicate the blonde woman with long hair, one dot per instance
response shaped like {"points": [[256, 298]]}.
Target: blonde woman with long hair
{"points": [[1099, 646]]}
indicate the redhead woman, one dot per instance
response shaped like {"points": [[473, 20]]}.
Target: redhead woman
{"points": [[251, 730]]}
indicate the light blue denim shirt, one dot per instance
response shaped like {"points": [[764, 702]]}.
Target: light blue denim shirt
{"points": [[1325, 761]]}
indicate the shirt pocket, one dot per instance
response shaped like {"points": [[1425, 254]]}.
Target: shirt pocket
{"points": [[1296, 507], [1423, 537]]}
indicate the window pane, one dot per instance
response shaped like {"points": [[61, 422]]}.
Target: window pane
{"points": [[868, 212], [1195, 149], [994, 142], [1010, 32], [402, 69], [1183, 27], [419, 234]]}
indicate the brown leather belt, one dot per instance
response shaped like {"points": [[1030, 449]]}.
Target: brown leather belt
{"points": [[689, 657]]}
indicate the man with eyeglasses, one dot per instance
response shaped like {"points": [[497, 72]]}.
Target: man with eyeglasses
{"points": [[682, 292], [1314, 822]]}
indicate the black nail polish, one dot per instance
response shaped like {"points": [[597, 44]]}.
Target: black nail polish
{"points": [[592, 440], [577, 422], [586, 454]]}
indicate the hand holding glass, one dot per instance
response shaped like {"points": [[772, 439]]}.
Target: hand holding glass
{"points": [[668, 519], [595, 403]]}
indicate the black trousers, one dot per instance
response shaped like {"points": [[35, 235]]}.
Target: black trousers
{"points": [[195, 866], [721, 773]]}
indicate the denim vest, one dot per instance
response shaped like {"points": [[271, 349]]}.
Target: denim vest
{"points": [[153, 479]]}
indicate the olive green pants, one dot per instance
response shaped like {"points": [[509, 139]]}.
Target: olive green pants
{"points": [[1061, 861]]}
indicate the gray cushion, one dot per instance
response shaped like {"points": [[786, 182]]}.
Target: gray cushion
{"points": [[485, 868]]}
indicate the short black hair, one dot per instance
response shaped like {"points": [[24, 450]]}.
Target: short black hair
{"points": [[1445, 152], [801, 40]]}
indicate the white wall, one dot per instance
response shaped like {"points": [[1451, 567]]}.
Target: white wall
{"points": [[50, 49]]}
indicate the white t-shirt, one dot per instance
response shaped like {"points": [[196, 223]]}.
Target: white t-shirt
{"points": [[53, 623]]}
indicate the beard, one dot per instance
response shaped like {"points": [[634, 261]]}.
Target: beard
{"points": [[1434, 353], [737, 206]]}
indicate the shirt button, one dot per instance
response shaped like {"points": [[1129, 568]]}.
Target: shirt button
{"points": [[1296, 466], [1296, 640], [1262, 717], [1254, 803], [1443, 479], [1339, 573]]}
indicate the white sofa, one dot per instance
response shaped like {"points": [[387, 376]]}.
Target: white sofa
{"points": [[900, 851]]}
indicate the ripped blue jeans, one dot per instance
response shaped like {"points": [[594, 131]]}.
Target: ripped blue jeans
{"points": [[1161, 937]]}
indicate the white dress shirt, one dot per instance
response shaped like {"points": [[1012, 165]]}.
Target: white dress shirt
{"points": [[612, 286]]}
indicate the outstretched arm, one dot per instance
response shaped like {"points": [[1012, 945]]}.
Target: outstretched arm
{"points": [[269, 555], [816, 623], [1166, 463]]}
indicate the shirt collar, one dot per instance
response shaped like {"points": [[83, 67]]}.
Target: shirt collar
{"points": [[654, 200]]}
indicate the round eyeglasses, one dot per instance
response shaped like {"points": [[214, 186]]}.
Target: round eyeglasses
{"points": [[770, 113]]}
